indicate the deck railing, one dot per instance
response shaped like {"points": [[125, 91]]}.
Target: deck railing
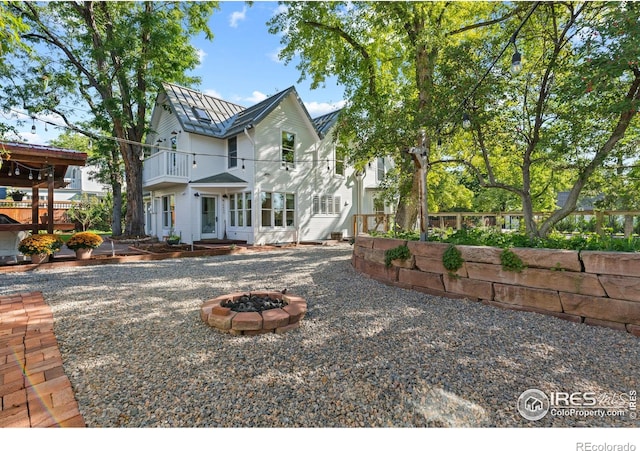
{"points": [[166, 164]]}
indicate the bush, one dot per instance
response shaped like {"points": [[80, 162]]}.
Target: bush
{"points": [[452, 259], [397, 253], [84, 240], [40, 244], [555, 240]]}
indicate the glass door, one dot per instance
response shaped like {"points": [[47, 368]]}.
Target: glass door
{"points": [[209, 218]]}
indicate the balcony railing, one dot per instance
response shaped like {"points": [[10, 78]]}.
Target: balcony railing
{"points": [[166, 166], [73, 183]]}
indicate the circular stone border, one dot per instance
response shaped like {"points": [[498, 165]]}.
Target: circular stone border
{"points": [[277, 320]]}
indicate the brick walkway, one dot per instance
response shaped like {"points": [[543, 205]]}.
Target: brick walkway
{"points": [[34, 391]]}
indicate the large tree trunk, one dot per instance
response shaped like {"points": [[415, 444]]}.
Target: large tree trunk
{"points": [[134, 219], [408, 205], [116, 216]]}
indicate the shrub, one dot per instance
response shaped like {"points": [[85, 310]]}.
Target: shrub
{"points": [[40, 244], [452, 259], [510, 261], [397, 253], [84, 240]]}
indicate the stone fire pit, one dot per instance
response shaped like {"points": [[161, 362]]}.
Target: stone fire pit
{"points": [[275, 320]]}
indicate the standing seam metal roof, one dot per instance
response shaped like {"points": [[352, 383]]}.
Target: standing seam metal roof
{"points": [[229, 119]]}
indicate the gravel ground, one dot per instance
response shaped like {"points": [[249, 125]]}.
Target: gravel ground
{"points": [[366, 355]]}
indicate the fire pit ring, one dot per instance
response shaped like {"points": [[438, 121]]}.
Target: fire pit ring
{"points": [[274, 320]]}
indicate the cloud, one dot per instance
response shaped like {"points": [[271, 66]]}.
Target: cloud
{"points": [[275, 55], [237, 16], [212, 93], [316, 109], [256, 96], [201, 54]]}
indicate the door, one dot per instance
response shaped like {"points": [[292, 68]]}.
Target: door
{"points": [[209, 218]]}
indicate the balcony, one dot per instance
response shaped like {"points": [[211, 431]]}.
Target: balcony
{"points": [[73, 184], [164, 169]]}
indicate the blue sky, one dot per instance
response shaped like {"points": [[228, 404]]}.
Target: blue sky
{"points": [[240, 65]]}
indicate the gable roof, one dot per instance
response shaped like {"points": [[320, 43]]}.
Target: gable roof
{"points": [[325, 122], [206, 115]]}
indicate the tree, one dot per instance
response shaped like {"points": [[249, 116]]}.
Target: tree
{"points": [[387, 56], [560, 121], [113, 56], [105, 156]]}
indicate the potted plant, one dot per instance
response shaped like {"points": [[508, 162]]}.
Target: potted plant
{"points": [[40, 246], [17, 195], [84, 243], [173, 238]]}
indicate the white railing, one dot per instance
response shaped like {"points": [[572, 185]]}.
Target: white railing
{"points": [[166, 164], [73, 183]]}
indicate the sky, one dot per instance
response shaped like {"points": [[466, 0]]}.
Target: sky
{"points": [[240, 65]]}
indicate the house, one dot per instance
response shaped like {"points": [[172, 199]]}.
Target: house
{"points": [[264, 174]]}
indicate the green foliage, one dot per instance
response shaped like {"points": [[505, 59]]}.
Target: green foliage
{"points": [[495, 238], [110, 58], [397, 253], [510, 261], [92, 212], [452, 259]]}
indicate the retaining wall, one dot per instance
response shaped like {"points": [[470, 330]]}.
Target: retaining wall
{"points": [[592, 287]]}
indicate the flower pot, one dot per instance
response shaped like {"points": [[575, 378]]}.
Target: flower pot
{"points": [[36, 259], [17, 197], [83, 253]]}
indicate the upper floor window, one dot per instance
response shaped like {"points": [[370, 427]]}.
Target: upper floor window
{"points": [[232, 152], [340, 157], [381, 170], [201, 114], [288, 147]]}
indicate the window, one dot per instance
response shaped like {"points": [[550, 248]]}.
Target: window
{"points": [[380, 169], [168, 211], [288, 148], [265, 202], [201, 114], [240, 210], [326, 205], [340, 157], [278, 209], [232, 152]]}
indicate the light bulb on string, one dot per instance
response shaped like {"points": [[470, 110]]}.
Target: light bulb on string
{"points": [[243, 164], [30, 175], [17, 172], [516, 62], [33, 127], [466, 121], [39, 176]]}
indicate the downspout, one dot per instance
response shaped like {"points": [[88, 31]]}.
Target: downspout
{"points": [[254, 202]]}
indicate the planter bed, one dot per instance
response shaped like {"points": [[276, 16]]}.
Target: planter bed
{"points": [[591, 287]]}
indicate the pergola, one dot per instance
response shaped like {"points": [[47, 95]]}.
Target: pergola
{"points": [[36, 167]]}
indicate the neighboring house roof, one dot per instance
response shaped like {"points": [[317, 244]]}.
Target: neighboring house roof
{"points": [[584, 203], [206, 115]]}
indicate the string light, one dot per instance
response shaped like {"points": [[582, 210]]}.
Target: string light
{"points": [[194, 165], [243, 164]]}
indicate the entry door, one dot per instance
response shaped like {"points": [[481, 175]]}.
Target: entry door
{"points": [[209, 217]]}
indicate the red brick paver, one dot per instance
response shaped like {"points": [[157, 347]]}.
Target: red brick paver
{"points": [[34, 391]]}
